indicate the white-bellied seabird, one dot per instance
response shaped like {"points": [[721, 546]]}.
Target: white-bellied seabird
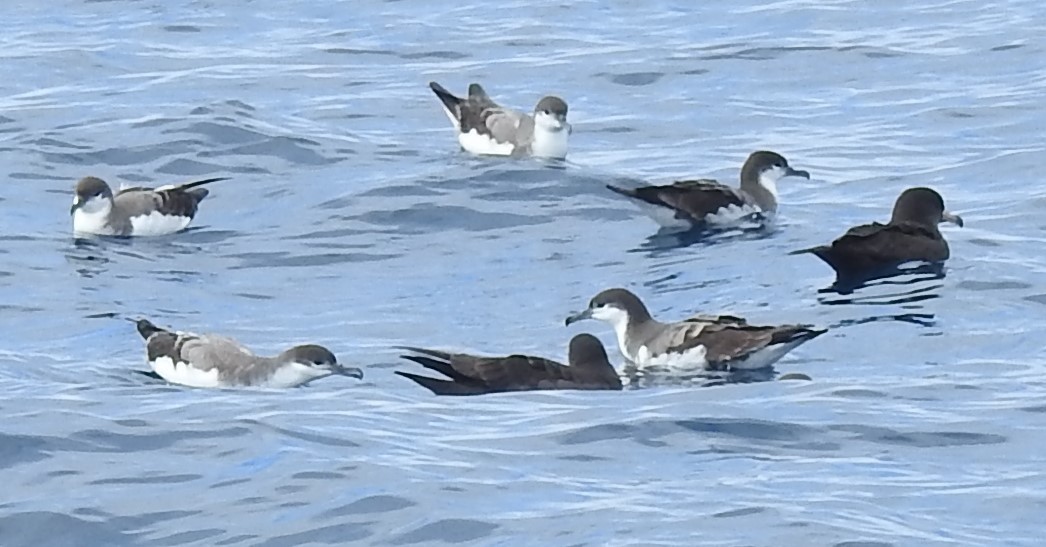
{"points": [[704, 203], [205, 360], [704, 342], [486, 128], [474, 375], [135, 211], [911, 235]]}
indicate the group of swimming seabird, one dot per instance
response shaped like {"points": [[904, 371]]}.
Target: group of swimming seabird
{"points": [[690, 346]]}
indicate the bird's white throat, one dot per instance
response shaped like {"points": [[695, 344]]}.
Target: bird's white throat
{"points": [[92, 217], [618, 319], [551, 136]]}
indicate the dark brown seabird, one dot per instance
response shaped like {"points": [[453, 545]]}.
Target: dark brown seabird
{"points": [[475, 375], [911, 235]]}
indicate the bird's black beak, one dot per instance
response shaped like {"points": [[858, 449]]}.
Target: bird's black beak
{"points": [[580, 316], [949, 217], [76, 205], [351, 372], [797, 173]]}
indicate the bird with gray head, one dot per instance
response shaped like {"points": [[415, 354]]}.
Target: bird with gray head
{"points": [[135, 211], [206, 360], [704, 342], [484, 127], [910, 236], [706, 203], [589, 369]]}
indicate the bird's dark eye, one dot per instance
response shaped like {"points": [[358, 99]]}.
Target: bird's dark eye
{"points": [[546, 112]]}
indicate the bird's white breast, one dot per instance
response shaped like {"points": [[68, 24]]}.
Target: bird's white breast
{"points": [[292, 375], [478, 143], [158, 224], [185, 374], [550, 144], [91, 223]]}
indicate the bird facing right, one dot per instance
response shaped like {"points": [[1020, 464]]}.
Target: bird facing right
{"points": [[473, 375], [484, 127], [207, 360], [706, 203], [911, 235]]}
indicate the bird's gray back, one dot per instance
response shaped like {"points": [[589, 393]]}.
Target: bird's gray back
{"points": [[662, 337], [133, 202], [506, 125], [229, 357]]}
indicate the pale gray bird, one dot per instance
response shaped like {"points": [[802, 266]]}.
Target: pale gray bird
{"points": [[706, 203], [484, 127], [702, 342], [206, 360], [135, 211]]}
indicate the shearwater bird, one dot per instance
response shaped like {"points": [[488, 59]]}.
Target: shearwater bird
{"points": [[702, 342], [206, 360], [474, 375], [484, 127], [135, 211], [911, 235], [705, 203]]}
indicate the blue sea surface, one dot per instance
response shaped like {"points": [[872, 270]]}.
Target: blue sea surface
{"points": [[353, 220]]}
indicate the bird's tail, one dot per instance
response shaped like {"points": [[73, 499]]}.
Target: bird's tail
{"points": [[445, 356], [810, 250], [193, 188], [824, 252], [196, 183], [440, 387], [650, 196], [627, 192], [451, 102], [796, 334]]}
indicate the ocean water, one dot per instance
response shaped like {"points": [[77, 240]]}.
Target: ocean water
{"points": [[351, 219]]}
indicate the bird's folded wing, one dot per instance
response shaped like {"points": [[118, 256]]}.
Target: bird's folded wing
{"points": [[508, 126], [891, 243]]}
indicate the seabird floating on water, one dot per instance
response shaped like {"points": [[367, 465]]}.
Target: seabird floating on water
{"points": [[205, 360], [486, 128], [911, 235], [135, 211], [702, 203], [699, 343], [473, 375]]}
